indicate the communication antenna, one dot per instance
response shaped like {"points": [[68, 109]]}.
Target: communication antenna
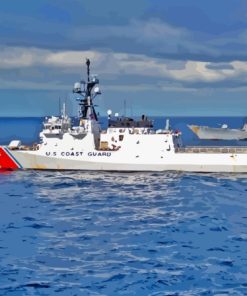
{"points": [[88, 69], [59, 106], [124, 108], [66, 105]]}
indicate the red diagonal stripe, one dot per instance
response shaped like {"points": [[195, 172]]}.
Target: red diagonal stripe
{"points": [[5, 161]]}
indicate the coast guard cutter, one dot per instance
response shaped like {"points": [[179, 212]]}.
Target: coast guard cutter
{"points": [[126, 145]]}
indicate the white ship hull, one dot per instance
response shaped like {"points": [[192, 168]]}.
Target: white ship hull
{"points": [[117, 161]]}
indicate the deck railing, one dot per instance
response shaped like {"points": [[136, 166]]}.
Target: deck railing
{"points": [[209, 149]]}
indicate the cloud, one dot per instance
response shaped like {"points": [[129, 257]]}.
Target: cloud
{"points": [[136, 47], [219, 66], [33, 68], [15, 57], [30, 85], [201, 71], [151, 37]]}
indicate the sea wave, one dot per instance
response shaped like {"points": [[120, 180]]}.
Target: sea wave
{"points": [[91, 233]]}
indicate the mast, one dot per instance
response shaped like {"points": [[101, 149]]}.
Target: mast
{"points": [[88, 69], [124, 108], [88, 93], [59, 106]]}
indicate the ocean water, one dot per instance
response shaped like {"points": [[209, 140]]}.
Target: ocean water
{"points": [[101, 233]]}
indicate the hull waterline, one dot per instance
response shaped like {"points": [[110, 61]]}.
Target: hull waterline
{"points": [[187, 162]]}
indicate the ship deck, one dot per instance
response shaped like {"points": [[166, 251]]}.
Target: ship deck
{"points": [[212, 149]]}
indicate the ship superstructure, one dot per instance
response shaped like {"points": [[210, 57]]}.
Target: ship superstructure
{"points": [[125, 145]]}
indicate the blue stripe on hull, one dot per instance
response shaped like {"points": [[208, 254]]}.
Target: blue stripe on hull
{"points": [[13, 158]]}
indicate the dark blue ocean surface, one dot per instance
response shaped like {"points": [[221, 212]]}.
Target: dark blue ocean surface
{"points": [[99, 233]]}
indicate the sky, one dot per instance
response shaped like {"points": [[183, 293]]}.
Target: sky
{"points": [[160, 57]]}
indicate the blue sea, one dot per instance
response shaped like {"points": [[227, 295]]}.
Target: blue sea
{"points": [[101, 233]]}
